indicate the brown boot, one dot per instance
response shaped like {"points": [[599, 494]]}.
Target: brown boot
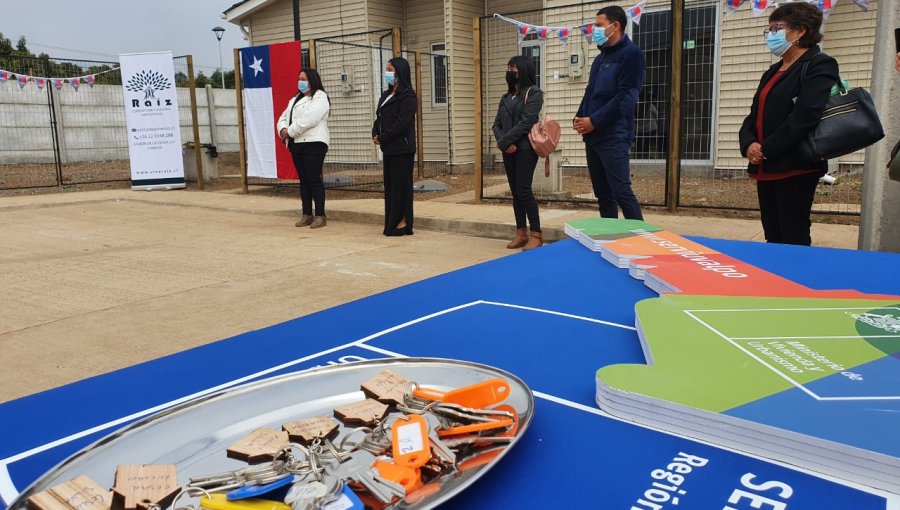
{"points": [[319, 222], [305, 220], [535, 240], [520, 240]]}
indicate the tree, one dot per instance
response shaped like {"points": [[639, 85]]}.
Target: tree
{"points": [[215, 79], [201, 80]]}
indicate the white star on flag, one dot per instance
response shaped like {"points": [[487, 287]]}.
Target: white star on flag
{"points": [[256, 66]]}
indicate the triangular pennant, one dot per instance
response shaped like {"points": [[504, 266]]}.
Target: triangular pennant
{"points": [[40, 82], [564, 35], [23, 80], [90, 80], [4, 75], [58, 83], [731, 6], [825, 6], [75, 82], [542, 32], [587, 31], [524, 30], [759, 7], [636, 12], [862, 4]]}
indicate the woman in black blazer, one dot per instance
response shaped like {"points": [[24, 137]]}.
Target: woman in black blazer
{"points": [[395, 133], [785, 110], [518, 112]]}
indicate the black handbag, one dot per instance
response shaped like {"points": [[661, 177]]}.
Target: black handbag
{"points": [[849, 123]]}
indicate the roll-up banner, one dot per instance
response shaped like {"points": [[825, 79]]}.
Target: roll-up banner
{"points": [[151, 118]]}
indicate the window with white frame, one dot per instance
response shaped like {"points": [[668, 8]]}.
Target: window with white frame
{"points": [[439, 75]]}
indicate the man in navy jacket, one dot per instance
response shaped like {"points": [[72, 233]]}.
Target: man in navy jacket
{"points": [[606, 116]]}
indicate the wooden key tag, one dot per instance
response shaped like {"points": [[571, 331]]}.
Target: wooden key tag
{"points": [[138, 486], [261, 445], [388, 386], [410, 443], [81, 493], [366, 412], [305, 431], [480, 395]]}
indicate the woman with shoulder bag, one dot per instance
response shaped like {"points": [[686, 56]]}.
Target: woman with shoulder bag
{"points": [[395, 133], [518, 112], [785, 110], [304, 128]]}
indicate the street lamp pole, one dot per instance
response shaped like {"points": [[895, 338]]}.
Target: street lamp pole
{"points": [[219, 31]]}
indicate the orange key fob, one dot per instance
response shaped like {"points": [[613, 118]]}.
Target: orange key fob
{"points": [[476, 396], [409, 478], [410, 442], [477, 427]]}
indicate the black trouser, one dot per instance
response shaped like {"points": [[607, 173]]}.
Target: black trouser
{"points": [[610, 167], [312, 189], [398, 193], [520, 174], [785, 206]]}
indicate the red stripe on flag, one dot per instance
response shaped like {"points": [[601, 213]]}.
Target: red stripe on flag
{"points": [[285, 66]]}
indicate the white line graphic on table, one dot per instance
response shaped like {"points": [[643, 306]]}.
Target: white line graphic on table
{"points": [[786, 377], [8, 490]]}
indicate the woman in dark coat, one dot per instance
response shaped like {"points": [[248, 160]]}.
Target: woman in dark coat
{"points": [[518, 112], [785, 110], [395, 133]]}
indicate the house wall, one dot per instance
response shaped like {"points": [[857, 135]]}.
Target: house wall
{"points": [[459, 15], [424, 27]]}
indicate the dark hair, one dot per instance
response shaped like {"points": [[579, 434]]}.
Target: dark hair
{"points": [[315, 81], [803, 16], [615, 14], [402, 73], [527, 73]]}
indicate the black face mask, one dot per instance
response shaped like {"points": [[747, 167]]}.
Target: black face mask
{"points": [[512, 78]]}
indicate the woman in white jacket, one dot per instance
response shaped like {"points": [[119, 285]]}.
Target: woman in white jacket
{"points": [[304, 129]]}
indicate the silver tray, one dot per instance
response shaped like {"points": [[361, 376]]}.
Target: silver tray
{"points": [[195, 435]]}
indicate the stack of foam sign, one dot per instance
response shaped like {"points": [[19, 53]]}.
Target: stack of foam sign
{"points": [[746, 359]]}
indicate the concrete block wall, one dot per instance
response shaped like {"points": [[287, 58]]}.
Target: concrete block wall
{"points": [[92, 122]]}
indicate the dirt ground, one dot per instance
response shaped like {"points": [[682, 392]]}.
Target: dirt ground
{"points": [[95, 284], [717, 196]]}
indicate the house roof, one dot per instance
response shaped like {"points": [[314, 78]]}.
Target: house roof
{"points": [[243, 9]]}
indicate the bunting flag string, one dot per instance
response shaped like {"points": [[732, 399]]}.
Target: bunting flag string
{"points": [[587, 30], [760, 6], [58, 83]]}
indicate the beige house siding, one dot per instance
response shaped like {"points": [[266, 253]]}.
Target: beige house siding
{"points": [[849, 37], [272, 25], [424, 27], [384, 14], [459, 15]]}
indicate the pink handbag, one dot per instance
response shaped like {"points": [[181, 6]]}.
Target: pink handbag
{"points": [[544, 138]]}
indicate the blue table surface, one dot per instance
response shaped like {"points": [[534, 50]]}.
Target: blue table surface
{"points": [[552, 316]]}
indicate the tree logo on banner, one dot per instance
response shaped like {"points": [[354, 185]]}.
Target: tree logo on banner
{"points": [[148, 82]]}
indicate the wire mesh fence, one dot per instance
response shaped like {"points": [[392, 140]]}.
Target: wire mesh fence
{"points": [[62, 132], [431, 77], [722, 61]]}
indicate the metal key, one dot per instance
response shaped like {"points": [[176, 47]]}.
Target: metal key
{"points": [[438, 447], [358, 468], [305, 495]]}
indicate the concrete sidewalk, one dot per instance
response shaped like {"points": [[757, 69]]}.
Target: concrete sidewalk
{"points": [[486, 220]]}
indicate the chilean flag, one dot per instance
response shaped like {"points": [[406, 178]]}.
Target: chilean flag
{"points": [[270, 81]]}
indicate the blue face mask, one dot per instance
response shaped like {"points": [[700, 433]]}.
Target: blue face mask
{"points": [[389, 77], [778, 43], [600, 35], [303, 86]]}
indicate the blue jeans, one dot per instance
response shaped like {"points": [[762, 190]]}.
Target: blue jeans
{"points": [[610, 169]]}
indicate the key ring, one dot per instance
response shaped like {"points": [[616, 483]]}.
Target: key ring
{"points": [[188, 491]]}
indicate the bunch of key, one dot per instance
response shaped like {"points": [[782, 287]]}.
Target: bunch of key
{"points": [[398, 445]]}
